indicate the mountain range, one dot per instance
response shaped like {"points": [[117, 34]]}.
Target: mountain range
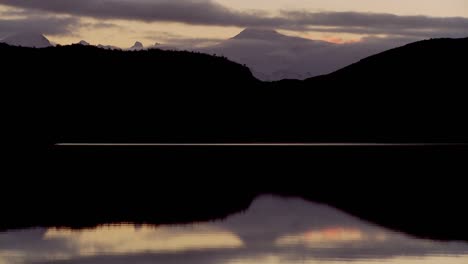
{"points": [[274, 56], [389, 89], [84, 94], [270, 55]]}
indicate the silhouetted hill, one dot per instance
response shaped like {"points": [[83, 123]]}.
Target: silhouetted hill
{"points": [[431, 70], [86, 94], [424, 66], [174, 96], [90, 61], [74, 88], [415, 90]]}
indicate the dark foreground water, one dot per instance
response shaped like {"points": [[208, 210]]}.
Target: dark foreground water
{"points": [[273, 230]]}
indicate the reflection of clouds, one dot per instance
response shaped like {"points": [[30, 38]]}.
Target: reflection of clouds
{"points": [[406, 260], [273, 230], [130, 239], [11, 256], [325, 237]]}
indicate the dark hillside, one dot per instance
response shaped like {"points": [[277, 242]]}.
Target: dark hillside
{"points": [[429, 67], [85, 94]]}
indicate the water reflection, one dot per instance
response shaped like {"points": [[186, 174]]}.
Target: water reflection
{"points": [[273, 230], [128, 239]]}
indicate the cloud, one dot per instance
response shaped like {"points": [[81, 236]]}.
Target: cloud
{"points": [[197, 12], [99, 25], [378, 23], [208, 12], [44, 25], [169, 40]]}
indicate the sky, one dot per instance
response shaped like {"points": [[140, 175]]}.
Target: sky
{"points": [[122, 22]]}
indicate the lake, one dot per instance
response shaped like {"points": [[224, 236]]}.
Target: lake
{"points": [[273, 230]]}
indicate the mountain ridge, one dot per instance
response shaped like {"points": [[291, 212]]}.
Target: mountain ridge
{"points": [[274, 56], [417, 60], [99, 96]]}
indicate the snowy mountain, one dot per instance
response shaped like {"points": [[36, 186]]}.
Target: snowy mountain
{"points": [[84, 43], [269, 54], [137, 46], [274, 56], [31, 40]]}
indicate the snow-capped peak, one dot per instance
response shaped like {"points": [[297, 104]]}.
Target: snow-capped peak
{"points": [[258, 33], [30, 40], [84, 43], [137, 46]]}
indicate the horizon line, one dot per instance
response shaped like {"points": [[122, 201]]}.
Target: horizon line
{"points": [[259, 144]]}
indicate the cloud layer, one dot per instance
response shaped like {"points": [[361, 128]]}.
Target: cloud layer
{"points": [[45, 25], [211, 13]]}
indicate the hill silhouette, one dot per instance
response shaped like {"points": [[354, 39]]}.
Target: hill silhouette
{"points": [[421, 65], [85, 94], [413, 92]]}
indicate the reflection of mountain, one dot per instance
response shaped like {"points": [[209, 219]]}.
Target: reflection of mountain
{"points": [[274, 56], [83, 42], [283, 217], [137, 46], [97, 95], [272, 230]]}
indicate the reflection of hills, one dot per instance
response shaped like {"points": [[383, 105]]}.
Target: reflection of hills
{"points": [[97, 95], [290, 230]]}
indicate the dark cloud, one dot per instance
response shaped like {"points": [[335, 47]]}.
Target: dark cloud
{"points": [[44, 25], [99, 25], [356, 19], [373, 23], [208, 12], [414, 33], [199, 12]]}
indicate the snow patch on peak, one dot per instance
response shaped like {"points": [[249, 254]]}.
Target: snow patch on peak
{"points": [[30, 40], [84, 43], [258, 33], [137, 46]]}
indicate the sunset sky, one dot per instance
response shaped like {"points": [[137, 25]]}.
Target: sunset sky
{"points": [[122, 22]]}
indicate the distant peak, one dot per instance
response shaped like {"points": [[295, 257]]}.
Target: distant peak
{"points": [[84, 43], [137, 46], [27, 39], [257, 33]]}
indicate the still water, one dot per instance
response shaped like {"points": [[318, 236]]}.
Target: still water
{"points": [[273, 230]]}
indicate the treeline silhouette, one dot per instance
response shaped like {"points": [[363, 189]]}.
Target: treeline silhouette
{"points": [[85, 94], [412, 93]]}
